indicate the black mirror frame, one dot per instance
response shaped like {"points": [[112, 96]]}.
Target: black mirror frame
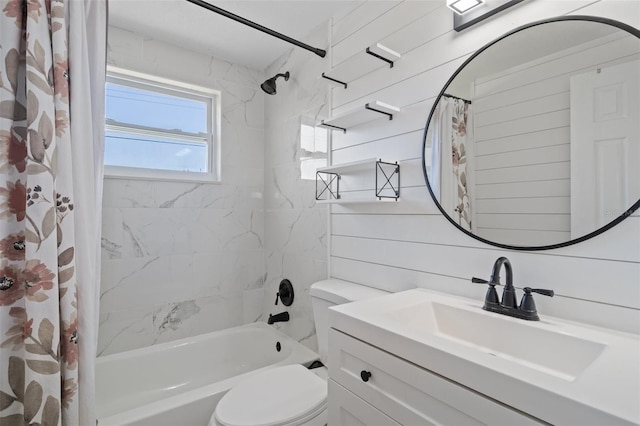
{"points": [[629, 212]]}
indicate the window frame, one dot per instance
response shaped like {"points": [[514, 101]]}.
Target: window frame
{"points": [[211, 97]]}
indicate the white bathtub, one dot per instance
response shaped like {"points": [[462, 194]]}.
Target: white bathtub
{"points": [[180, 382]]}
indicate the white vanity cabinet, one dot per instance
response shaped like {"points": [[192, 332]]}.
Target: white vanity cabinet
{"points": [[346, 409], [373, 387]]}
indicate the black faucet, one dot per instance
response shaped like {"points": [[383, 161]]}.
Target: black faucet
{"points": [[509, 306], [509, 292], [281, 317]]}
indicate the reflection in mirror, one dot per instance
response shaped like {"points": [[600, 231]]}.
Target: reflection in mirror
{"points": [[313, 149], [535, 141]]}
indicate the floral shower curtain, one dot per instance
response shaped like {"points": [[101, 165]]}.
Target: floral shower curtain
{"points": [[51, 119], [450, 178]]}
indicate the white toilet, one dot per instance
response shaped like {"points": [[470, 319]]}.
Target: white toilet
{"points": [[292, 394]]}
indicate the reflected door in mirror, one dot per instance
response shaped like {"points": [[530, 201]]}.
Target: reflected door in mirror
{"points": [[605, 145]]}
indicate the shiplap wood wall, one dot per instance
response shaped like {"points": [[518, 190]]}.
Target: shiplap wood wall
{"points": [[408, 244]]}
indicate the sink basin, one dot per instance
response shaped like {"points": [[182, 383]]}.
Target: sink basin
{"points": [[529, 344]]}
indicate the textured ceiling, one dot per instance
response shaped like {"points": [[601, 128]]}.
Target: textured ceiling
{"points": [[190, 26]]}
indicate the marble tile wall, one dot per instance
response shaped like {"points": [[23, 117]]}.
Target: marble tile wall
{"points": [[180, 259], [295, 229]]}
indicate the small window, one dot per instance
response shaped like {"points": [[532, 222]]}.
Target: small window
{"points": [[160, 129]]}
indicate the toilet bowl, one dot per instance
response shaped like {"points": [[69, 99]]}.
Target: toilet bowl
{"points": [[282, 396], [292, 394]]}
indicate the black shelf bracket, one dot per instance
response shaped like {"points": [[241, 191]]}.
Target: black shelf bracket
{"points": [[334, 80], [382, 58], [322, 123], [325, 182], [389, 173], [388, 114]]}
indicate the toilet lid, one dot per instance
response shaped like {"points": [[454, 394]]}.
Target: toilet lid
{"points": [[276, 396]]}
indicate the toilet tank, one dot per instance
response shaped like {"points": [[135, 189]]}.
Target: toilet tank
{"points": [[332, 292]]}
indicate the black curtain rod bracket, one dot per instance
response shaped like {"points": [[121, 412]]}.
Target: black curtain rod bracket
{"points": [[320, 52]]}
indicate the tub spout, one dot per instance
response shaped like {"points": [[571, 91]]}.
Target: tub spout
{"points": [[281, 317]]}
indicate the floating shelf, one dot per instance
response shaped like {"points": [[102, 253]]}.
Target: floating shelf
{"points": [[371, 111], [365, 61], [349, 167], [387, 181]]}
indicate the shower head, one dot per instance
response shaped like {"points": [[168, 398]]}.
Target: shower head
{"points": [[269, 86]]}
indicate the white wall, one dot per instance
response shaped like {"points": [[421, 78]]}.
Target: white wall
{"points": [[180, 259], [408, 244], [296, 229]]}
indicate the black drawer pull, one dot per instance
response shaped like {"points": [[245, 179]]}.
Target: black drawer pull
{"points": [[365, 375]]}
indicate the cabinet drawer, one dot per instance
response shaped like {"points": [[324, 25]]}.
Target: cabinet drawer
{"points": [[410, 394], [346, 409]]}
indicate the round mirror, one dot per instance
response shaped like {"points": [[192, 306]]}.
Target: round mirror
{"points": [[534, 142]]}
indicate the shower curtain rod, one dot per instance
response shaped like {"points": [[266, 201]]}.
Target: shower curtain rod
{"points": [[446, 95], [259, 27]]}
